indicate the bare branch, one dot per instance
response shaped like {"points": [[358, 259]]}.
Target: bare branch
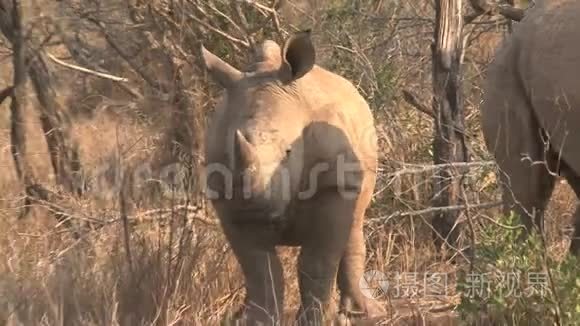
{"points": [[434, 167], [261, 6], [86, 70], [511, 12], [5, 93], [272, 12], [414, 102], [237, 9], [219, 31], [275, 18], [386, 218], [126, 231], [11, 27], [138, 69], [192, 213], [483, 7]]}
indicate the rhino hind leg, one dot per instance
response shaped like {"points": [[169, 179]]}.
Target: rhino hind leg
{"points": [[574, 182], [526, 191], [575, 243], [514, 137]]}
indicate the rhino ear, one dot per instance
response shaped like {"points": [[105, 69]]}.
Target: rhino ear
{"points": [[299, 55], [221, 72]]}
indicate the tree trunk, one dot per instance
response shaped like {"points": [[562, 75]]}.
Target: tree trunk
{"points": [[55, 122], [12, 29], [26, 63], [449, 141]]}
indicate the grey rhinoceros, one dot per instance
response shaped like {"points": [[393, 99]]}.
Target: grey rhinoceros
{"points": [[531, 110], [291, 159]]}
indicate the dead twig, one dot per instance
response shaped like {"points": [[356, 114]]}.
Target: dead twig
{"points": [[219, 31], [5, 93], [85, 70], [415, 103], [484, 7], [453, 208], [415, 168], [126, 227], [507, 227], [113, 43], [239, 12]]}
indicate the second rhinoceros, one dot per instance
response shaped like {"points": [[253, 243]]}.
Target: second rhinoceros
{"points": [[530, 115]]}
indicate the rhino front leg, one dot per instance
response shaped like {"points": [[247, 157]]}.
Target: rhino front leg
{"points": [[262, 269], [325, 228]]}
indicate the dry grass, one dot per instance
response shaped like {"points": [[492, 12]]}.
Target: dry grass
{"points": [[48, 278], [52, 279], [184, 273]]}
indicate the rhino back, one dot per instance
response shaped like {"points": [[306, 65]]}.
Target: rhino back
{"points": [[335, 101], [322, 87]]}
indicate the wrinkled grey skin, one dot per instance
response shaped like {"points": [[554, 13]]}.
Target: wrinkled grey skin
{"points": [[291, 158], [531, 110]]}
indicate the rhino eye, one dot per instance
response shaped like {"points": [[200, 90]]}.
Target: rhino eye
{"points": [[288, 151]]}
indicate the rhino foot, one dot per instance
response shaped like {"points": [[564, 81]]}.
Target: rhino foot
{"points": [[342, 320], [245, 316], [368, 309]]}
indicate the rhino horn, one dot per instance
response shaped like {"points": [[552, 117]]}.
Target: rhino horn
{"points": [[245, 151]]}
